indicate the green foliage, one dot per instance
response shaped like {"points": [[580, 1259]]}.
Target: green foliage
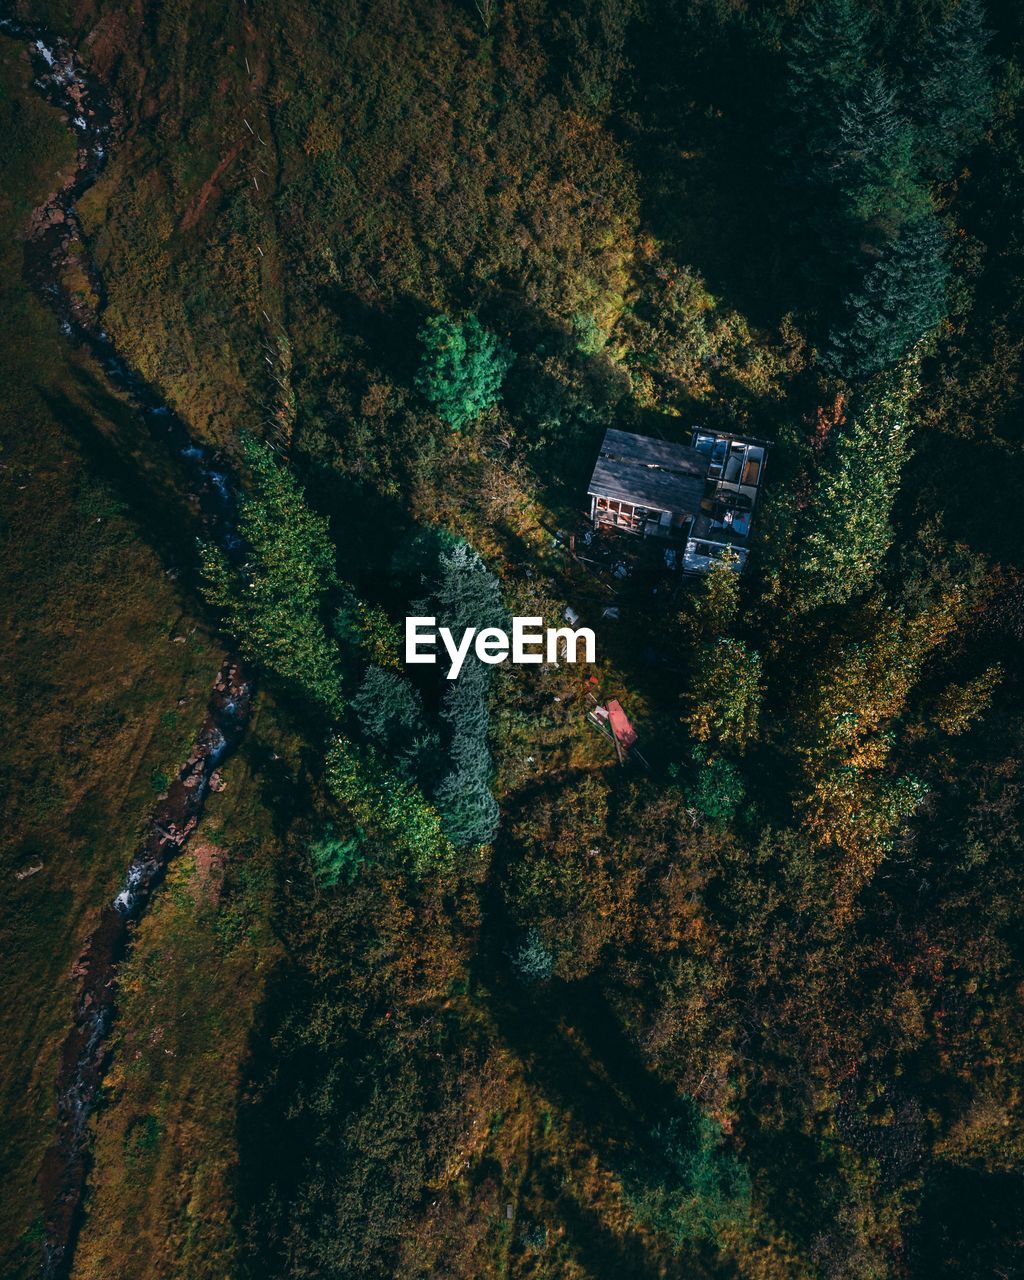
{"points": [[950, 96], [725, 699], [333, 859], [901, 299], [594, 34], [462, 368], [385, 805], [275, 602], [714, 602], [467, 595], [691, 1188], [826, 58], [960, 705], [430, 159], [391, 715], [141, 1140], [848, 531], [531, 959], [876, 169], [718, 789]]}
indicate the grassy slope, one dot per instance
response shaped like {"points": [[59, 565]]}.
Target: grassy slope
{"points": [[185, 292], [100, 701], [161, 1196]]}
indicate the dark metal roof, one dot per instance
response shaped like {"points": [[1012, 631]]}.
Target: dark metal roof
{"points": [[649, 473]]}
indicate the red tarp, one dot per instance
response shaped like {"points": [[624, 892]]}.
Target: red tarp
{"points": [[623, 730]]}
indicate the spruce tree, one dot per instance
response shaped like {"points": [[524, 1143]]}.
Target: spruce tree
{"points": [[902, 297], [462, 369], [848, 531], [826, 56], [274, 603], [876, 167], [950, 96], [467, 595], [391, 715]]}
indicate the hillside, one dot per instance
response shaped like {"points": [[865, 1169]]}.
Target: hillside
{"points": [[316, 318]]}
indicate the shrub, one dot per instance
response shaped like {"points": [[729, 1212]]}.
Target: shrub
{"points": [[334, 859], [462, 369], [531, 960], [718, 790]]}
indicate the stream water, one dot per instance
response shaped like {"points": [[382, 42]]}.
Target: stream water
{"points": [[61, 78]]}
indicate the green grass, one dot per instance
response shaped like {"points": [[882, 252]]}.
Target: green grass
{"points": [[91, 670], [160, 1202]]}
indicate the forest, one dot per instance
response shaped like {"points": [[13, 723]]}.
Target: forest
{"points": [[321, 966]]}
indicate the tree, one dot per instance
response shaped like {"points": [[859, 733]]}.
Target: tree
{"points": [[903, 297], [391, 715], [689, 1187], [726, 694], [841, 723], [718, 789], [462, 368], [826, 56], [274, 602], [383, 803], [848, 531], [335, 859], [876, 168], [950, 97], [467, 595], [960, 705], [715, 599], [530, 959]]}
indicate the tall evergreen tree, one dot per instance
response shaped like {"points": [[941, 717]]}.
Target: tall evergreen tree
{"points": [[391, 715], [848, 530], [876, 166], [902, 297], [468, 595], [275, 602], [826, 58], [950, 96]]}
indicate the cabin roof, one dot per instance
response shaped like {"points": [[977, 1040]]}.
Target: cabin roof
{"points": [[649, 473]]}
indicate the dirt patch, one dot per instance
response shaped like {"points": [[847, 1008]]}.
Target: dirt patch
{"points": [[209, 878], [195, 210]]}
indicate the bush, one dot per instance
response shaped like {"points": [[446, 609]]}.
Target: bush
{"points": [[531, 960], [718, 791], [462, 369], [334, 859]]}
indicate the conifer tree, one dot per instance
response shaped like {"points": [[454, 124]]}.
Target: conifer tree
{"points": [[849, 531], [826, 57], [462, 369], [876, 167], [950, 97], [390, 712], [468, 595], [902, 297], [274, 602]]}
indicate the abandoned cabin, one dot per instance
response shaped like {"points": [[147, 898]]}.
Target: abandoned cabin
{"points": [[699, 497]]}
